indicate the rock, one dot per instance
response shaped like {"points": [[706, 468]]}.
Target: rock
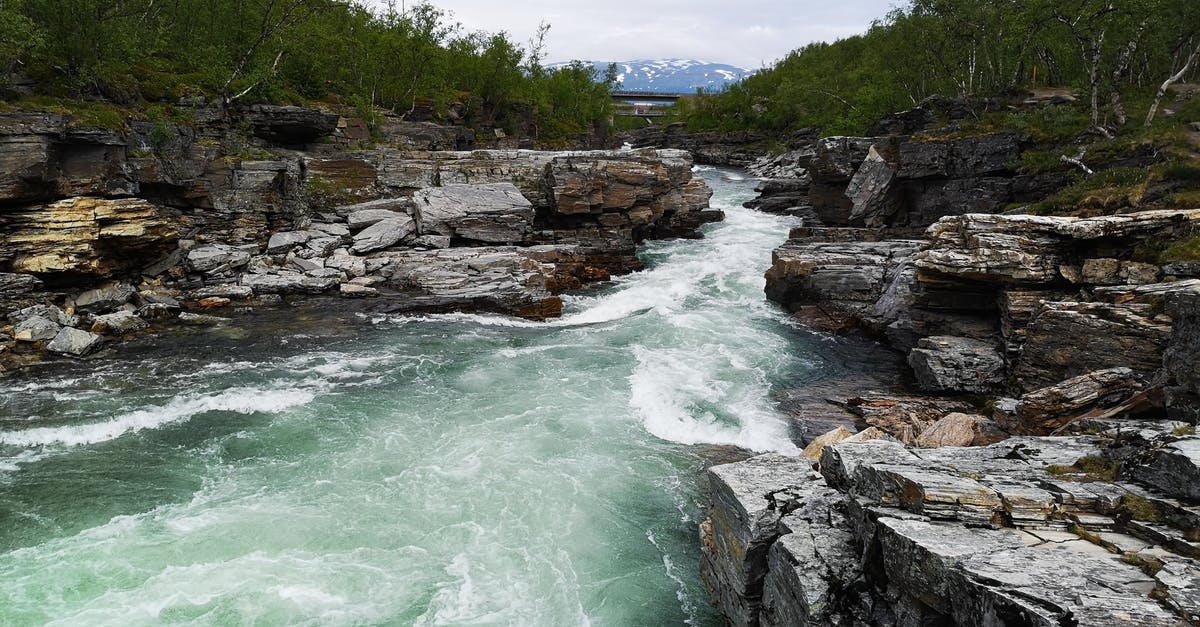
{"points": [[36, 329], [370, 213], [232, 292], [747, 502], [105, 298], [86, 236], [1173, 469], [157, 311], [17, 284], [901, 416], [817, 446], [507, 280], [1047, 410], [1179, 359], [74, 342], [200, 320], [956, 364], [432, 241], [493, 213], [830, 283], [118, 323], [871, 191], [285, 241], [213, 302], [961, 430], [352, 290], [288, 283], [1190, 270], [832, 167], [383, 234], [323, 246], [213, 259], [49, 312], [288, 124], [332, 230], [1067, 339]]}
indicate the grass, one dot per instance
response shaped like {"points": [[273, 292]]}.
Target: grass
{"points": [[1182, 251], [1139, 508], [1184, 430], [1091, 467]]}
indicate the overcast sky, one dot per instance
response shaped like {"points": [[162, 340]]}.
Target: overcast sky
{"points": [[746, 33]]}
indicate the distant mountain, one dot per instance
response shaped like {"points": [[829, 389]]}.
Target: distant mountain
{"points": [[672, 76]]}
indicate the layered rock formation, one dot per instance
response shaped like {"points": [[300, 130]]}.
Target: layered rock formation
{"points": [[1009, 534], [239, 209]]}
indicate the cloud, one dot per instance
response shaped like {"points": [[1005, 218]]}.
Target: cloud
{"points": [[751, 33]]}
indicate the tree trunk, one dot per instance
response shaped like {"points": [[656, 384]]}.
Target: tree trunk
{"points": [[1162, 91]]}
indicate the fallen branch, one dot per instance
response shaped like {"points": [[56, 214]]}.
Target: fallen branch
{"points": [[1077, 161], [1162, 90]]}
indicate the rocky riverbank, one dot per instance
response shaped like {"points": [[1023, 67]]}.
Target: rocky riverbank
{"points": [[1035, 464], [104, 232]]}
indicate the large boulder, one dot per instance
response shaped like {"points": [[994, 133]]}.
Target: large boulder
{"points": [[74, 342], [1045, 411], [871, 192], [957, 364], [1180, 359], [494, 213], [384, 234]]}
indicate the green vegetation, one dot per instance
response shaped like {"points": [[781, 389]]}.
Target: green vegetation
{"points": [[1091, 467], [1186, 430], [1139, 508], [1183, 251], [337, 52], [1113, 55]]}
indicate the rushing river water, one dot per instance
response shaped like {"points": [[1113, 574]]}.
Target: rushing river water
{"points": [[435, 470]]}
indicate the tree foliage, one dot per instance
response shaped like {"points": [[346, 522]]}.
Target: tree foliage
{"points": [[293, 51], [1107, 49]]}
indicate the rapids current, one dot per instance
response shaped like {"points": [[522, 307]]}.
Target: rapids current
{"points": [[452, 469]]}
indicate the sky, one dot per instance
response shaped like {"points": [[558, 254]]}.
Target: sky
{"points": [[746, 33]]}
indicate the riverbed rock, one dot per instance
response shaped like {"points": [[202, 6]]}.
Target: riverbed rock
{"points": [[747, 502], [74, 342], [36, 328], [285, 241], [288, 283], [957, 364], [217, 258], [118, 323], [1173, 469], [384, 234], [830, 283], [17, 284], [493, 213], [504, 279], [105, 299], [49, 312]]}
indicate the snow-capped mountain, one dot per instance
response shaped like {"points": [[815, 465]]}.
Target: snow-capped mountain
{"points": [[671, 76]]}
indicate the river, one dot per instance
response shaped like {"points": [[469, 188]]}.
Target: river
{"points": [[456, 469]]}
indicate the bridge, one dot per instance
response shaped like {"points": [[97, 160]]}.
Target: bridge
{"points": [[643, 103]]}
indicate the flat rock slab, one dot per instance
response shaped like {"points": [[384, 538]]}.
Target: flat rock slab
{"points": [[494, 213], [384, 234], [957, 364], [74, 342]]}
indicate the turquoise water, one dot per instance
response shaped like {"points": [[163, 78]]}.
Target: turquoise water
{"points": [[443, 470]]}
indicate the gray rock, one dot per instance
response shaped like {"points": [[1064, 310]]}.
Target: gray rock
{"points": [[157, 311], [324, 246], [1182, 269], [230, 291], [364, 218], [288, 283], [209, 259], [16, 284], [957, 364], [432, 241], [872, 193], [105, 298], [49, 312], [118, 323], [331, 229], [492, 213], [747, 502], [1047, 410], [352, 290], [200, 320], [289, 124], [1179, 359], [74, 342], [384, 234], [36, 329], [287, 240], [1173, 469]]}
